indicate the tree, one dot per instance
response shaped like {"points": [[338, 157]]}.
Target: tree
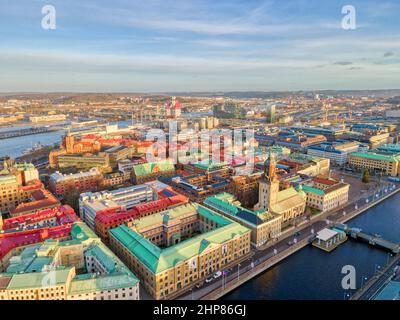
{"points": [[366, 178], [71, 197]]}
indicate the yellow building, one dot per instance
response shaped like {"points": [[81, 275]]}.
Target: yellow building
{"points": [[326, 194], [389, 164], [85, 161], [264, 226], [154, 248], [80, 268], [17, 184]]}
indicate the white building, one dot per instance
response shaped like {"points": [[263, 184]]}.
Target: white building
{"points": [[90, 203]]}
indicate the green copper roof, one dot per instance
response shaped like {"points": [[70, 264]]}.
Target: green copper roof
{"points": [[226, 203], [209, 165], [80, 231], [91, 283], [153, 167], [394, 148], [313, 190], [106, 260], [27, 269], [158, 260], [8, 179], [39, 279], [375, 156]]}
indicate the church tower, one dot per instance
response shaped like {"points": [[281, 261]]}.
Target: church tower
{"points": [[69, 143], [269, 186]]}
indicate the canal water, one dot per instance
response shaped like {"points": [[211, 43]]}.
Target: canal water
{"points": [[314, 274], [15, 146]]}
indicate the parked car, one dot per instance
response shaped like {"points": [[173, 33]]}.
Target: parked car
{"points": [[217, 274], [208, 280]]}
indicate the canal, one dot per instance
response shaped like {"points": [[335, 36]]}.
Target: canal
{"points": [[314, 274]]}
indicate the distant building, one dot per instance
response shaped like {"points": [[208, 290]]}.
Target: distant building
{"points": [[389, 149], [61, 184], [291, 140], [84, 161], [40, 199], [270, 111], [150, 171], [173, 108], [393, 114], [228, 111], [389, 164], [337, 151], [17, 184], [48, 118], [331, 133], [306, 164], [199, 186]]}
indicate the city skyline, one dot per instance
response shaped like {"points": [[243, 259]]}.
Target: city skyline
{"points": [[162, 46]]}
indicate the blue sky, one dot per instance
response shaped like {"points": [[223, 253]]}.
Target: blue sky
{"points": [[201, 45]]}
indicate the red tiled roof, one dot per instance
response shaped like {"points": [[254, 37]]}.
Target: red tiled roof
{"points": [[64, 214], [106, 216], [9, 241], [329, 182], [42, 199]]}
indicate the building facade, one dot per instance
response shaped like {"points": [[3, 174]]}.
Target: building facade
{"points": [[337, 152], [77, 268], [326, 194], [154, 248], [264, 226], [61, 184], [150, 171], [389, 164]]}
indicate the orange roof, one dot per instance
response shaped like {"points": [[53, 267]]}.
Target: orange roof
{"points": [[329, 182]]}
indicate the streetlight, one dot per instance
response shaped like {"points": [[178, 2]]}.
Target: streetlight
{"points": [[238, 275], [191, 290], [377, 267], [362, 280], [388, 258]]}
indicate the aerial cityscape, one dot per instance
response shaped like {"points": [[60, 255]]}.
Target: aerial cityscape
{"points": [[162, 151]]}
